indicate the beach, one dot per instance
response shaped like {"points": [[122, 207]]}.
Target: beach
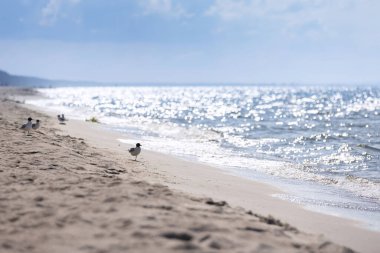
{"points": [[75, 188]]}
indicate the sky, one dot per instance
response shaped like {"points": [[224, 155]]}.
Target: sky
{"points": [[193, 41]]}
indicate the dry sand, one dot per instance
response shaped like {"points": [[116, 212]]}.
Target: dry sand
{"points": [[74, 188]]}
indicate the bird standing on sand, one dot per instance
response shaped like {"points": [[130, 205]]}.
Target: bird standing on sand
{"points": [[61, 118], [36, 125], [27, 126], [135, 151]]}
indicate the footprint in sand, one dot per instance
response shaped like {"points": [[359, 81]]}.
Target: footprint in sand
{"points": [[177, 236], [114, 171]]}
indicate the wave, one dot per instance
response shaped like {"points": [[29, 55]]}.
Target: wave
{"points": [[365, 146]]}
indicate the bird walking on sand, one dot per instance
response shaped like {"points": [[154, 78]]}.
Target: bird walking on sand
{"points": [[135, 151], [36, 125], [28, 126]]}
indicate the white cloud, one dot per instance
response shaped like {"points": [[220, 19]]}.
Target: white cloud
{"points": [[50, 13], [163, 7], [300, 17], [229, 10], [237, 9]]}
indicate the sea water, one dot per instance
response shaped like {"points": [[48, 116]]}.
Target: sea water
{"points": [[321, 145]]}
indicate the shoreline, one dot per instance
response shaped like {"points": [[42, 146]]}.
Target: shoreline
{"points": [[204, 181], [342, 193], [276, 183]]}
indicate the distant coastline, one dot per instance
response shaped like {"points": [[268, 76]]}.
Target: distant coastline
{"points": [[7, 79]]}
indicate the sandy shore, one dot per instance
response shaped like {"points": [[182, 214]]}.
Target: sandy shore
{"points": [[74, 188]]}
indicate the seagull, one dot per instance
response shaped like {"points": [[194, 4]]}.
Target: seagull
{"points": [[135, 151], [36, 125], [27, 126], [61, 118]]}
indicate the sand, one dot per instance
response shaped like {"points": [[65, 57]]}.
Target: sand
{"points": [[74, 188]]}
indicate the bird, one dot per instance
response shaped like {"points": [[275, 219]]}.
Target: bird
{"points": [[135, 151], [61, 118], [36, 125], [27, 126]]}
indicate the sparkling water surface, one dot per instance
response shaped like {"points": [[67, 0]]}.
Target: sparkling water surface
{"points": [[320, 144]]}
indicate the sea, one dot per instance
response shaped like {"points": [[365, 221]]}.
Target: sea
{"points": [[319, 144]]}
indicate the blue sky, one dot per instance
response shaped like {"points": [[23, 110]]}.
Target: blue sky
{"points": [[189, 41]]}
